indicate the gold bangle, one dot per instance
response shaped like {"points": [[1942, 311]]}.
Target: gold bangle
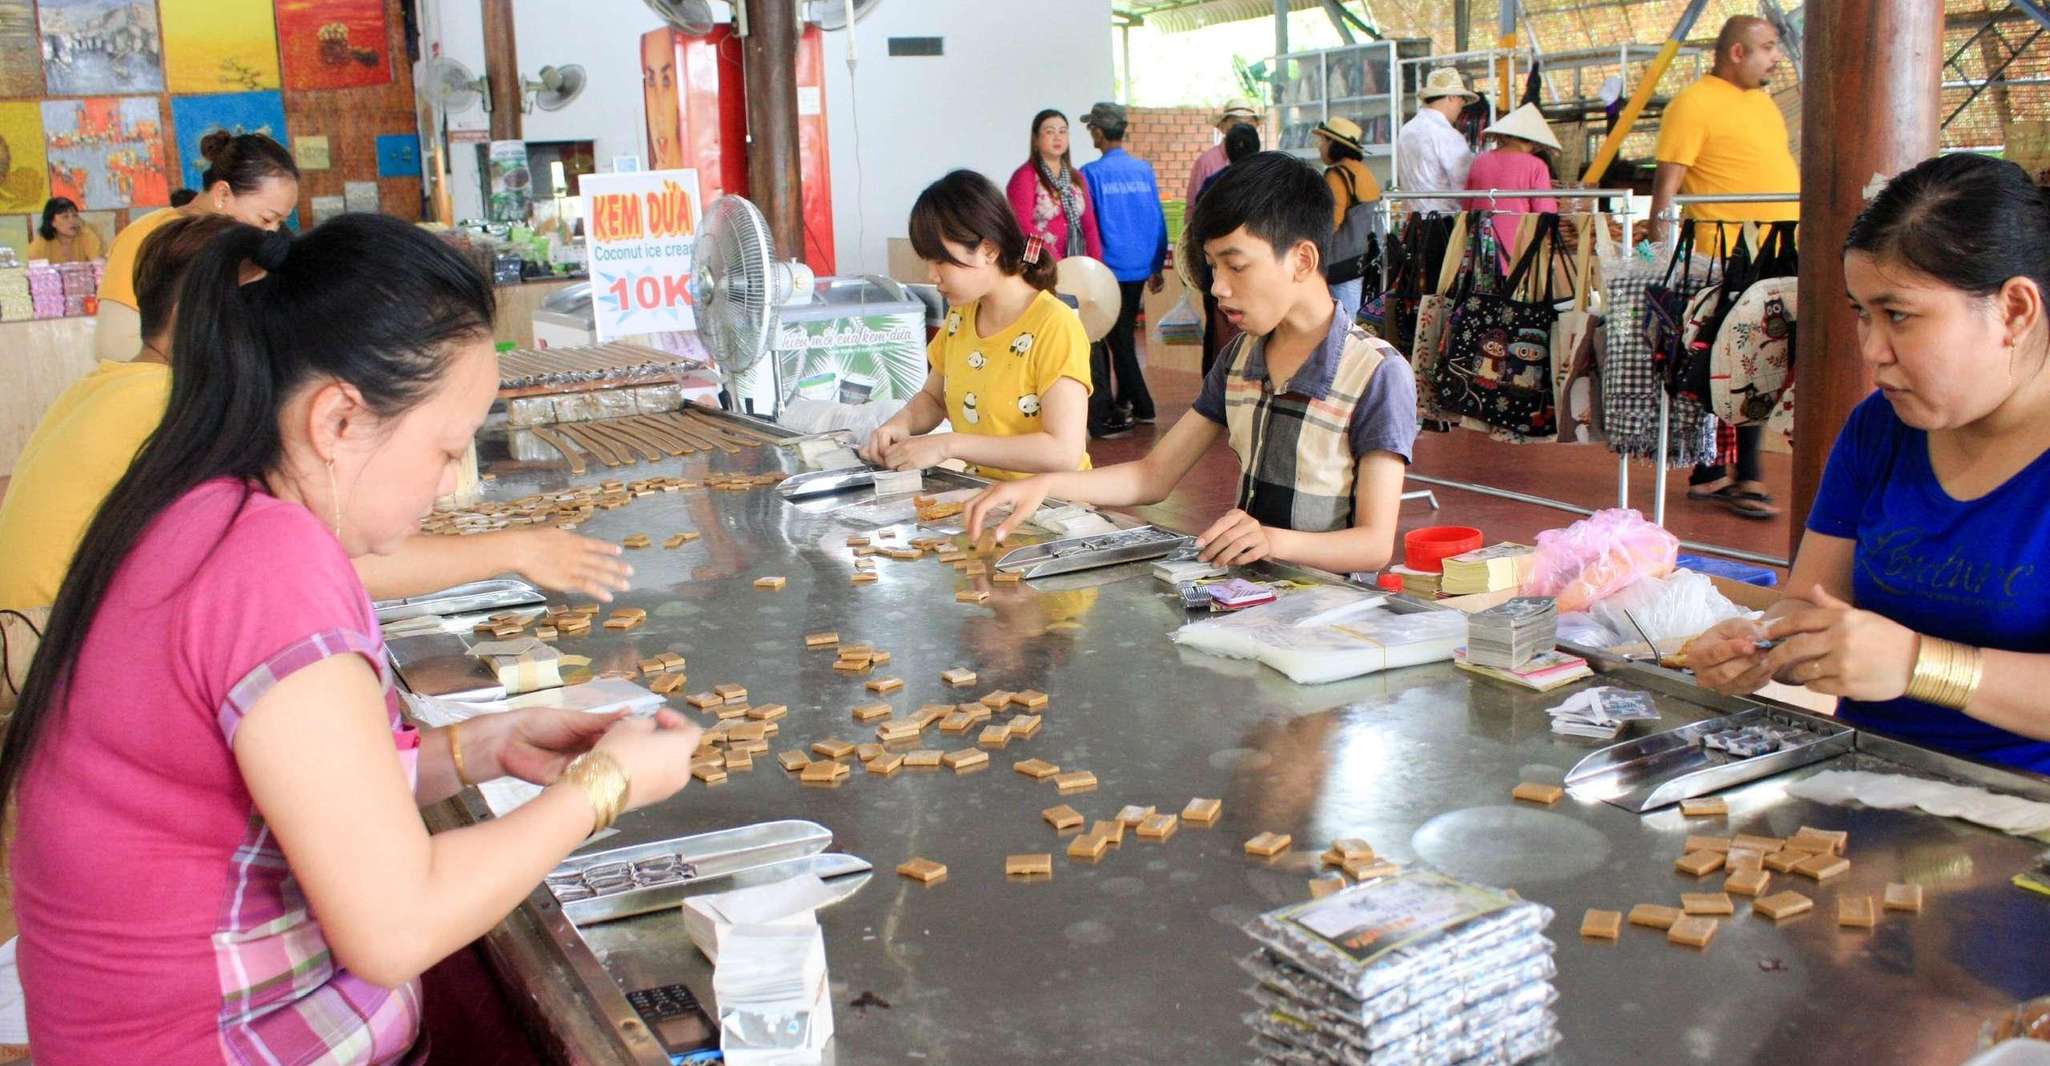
{"points": [[1946, 674], [455, 755], [604, 782]]}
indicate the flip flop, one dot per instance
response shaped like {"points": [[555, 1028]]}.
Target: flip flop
{"points": [[1724, 493], [1756, 505]]}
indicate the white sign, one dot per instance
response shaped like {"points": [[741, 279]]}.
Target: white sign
{"points": [[639, 230]]}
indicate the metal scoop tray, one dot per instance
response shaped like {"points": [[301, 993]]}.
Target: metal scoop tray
{"points": [[622, 882], [1664, 768], [1137, 544]]}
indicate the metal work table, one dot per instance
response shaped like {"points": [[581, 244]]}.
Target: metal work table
{"points": [[1132, 959]]}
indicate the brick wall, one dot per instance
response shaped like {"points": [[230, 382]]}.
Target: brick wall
{"points": [[1170, 138]]}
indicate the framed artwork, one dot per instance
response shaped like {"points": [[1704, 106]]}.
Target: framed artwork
{"points": [[21, 64], [93, 47], [196, 116], [398, 155], [334, 44], [24, 174], [219, 46], [107, 152]]}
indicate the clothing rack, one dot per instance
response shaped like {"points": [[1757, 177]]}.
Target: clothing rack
{"points": [[1386, 218], [1665, 435]]}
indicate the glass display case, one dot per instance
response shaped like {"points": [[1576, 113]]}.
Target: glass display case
{"points": [[1357, 82]]}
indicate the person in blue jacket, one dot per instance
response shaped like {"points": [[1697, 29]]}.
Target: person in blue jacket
{"points": [[1134, 232]]}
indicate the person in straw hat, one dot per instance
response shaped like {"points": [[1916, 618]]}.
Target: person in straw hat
{"points": [[1513, 163], [1237, 112], [1352, 184], [1432, 154]]}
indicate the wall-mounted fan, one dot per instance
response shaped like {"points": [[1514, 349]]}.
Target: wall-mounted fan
{"points": [[691, 17], [453, 88], [557, 87], [834, 14]]}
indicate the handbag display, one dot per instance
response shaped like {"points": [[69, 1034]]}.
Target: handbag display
{"points": [[1751, 358], [1576, 374], [1497, 365]]}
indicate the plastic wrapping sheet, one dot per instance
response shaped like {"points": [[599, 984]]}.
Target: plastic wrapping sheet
{"points": [[579, 407], [1430, 1023], [615, 403], [1520, 1038], [1480, 973], [526, 447], [658, 399], [524, 411], [1328, 634]]}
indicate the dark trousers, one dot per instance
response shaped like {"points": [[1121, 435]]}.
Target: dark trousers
{"points": [[1118, 356], [1749, 466]]}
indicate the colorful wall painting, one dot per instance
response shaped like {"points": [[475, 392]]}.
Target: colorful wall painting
{"points": [[107, 152], [21, 65], [101, 46], [219, 46], [196, 116], [334, 44], [24, 173]]}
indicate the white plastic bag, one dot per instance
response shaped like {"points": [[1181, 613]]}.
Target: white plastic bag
{"points": [[1671, 608]]}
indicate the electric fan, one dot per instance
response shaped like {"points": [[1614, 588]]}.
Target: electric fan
{"points": [[739, 288]]}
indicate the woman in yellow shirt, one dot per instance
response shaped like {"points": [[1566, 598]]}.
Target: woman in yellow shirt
{"points": [[249, 177], [1010, 368], [63, 237]]}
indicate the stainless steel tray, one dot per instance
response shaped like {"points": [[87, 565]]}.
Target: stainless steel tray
{"points": [[646, 877], [826, 482], [495, 594], [1664, 768], [1137, 544]]}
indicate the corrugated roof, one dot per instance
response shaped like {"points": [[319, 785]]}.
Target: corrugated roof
{"points": [[1181, 16]]}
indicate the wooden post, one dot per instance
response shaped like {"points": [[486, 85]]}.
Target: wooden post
{"points": [[1871, 102], [769, 63], [502, 69]]}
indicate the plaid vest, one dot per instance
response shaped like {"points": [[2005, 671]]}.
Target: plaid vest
{"points": [[1295, 451]]}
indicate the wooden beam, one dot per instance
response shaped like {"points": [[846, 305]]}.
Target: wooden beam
{"points": [[769, 64], [1870, 108], [502, 70]]}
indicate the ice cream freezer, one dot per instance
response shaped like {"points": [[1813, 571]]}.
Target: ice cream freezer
{"points": [[1133, 958]]}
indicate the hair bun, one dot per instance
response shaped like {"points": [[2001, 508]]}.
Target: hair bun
{"points": [[272, 251], [214, 144]]}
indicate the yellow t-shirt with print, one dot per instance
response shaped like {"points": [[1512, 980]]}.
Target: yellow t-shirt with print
{"points": [[993, 384]]}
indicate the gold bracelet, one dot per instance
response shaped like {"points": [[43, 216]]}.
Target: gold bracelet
{"points": [[455, 755], [604, 782], [1947, 674]]}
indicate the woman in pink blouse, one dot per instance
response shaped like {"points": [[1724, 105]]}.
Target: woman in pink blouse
{"points": [[1513, 163], [1049, 196]]}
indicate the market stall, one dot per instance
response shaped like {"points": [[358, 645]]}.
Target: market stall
{"points": [[1135, 956]]}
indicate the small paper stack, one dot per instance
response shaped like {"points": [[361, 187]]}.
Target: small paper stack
{"points": [[769, 974], [1178, 571], [16, 305], [1418, 583], [1549, 670], [525, 665], [1600, 713], [1496, 568], [1509, 636], [1415, 968]]}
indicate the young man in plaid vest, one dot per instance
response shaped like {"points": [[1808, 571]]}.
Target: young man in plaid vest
{"points": [[1321, 415]]}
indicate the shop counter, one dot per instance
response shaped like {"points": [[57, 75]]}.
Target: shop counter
{"points": [[1133, 958]]}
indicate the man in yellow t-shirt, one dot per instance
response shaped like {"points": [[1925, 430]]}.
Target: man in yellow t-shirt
{"points": [[1724, 134]]}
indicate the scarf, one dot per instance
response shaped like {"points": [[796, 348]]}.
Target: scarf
{"points": [[1063, 185]]}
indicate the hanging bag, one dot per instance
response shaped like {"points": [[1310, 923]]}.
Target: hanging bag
{"points": [[1497, 364], [1573, 343], [1665, 306], [1432, 311], [1751, 361]]}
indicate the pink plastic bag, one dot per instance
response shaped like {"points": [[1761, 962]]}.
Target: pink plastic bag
{"points": [[1599, 556]]}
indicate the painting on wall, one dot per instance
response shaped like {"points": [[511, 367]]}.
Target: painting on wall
{"points": [[24, 177], [107, 152], [196, 116], [21, 68], [334, 44], [101, 46], [219, 46]]}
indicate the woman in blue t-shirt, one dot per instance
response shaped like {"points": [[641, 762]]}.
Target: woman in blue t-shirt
{"points": [[1931, 518]]}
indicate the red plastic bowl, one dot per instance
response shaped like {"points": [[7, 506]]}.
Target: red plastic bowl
{"points": [[1427, 549]]}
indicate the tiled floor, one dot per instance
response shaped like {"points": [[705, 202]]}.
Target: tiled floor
{"points": [[1579, 474]]}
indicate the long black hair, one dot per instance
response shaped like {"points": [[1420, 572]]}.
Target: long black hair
{"points": [[363, 299], [967, 208], [1969, 221], [54, 206], [244, 160]]}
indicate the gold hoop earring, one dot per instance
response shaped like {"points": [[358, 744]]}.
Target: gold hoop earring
{"points": [[334, 498]]}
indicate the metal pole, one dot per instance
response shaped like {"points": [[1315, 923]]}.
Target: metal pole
{"points": [[769, 66], [1658, 478], [1280, 37], [1125, 35], [1462, 24], [1613, 143]]}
